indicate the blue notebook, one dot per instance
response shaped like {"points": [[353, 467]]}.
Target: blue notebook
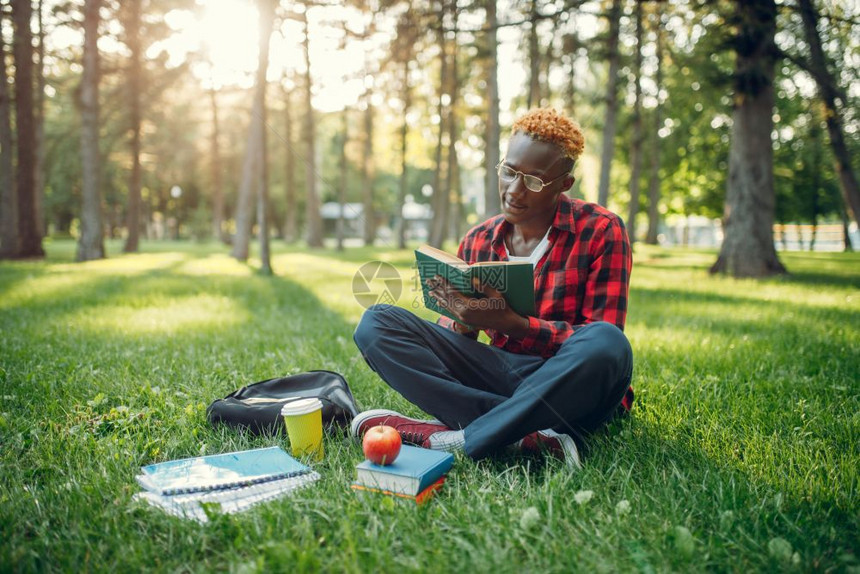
{"points": [[414, 470], [219, 471]]}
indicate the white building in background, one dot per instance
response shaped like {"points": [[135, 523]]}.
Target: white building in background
{"points": [[417, 215], [699, 231], [353, 218]]}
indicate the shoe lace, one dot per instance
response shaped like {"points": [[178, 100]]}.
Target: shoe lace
{"points": [[413, 437]]}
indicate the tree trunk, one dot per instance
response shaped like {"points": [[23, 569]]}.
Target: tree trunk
{"points": [[548, 60], [255, 153], [452, 164], [215, 167], [492, 202], [748, 247], [244, 215], [569, 93], [404, 132], [91, 241], [533, 97], [815, 136], [263, 193], [367, 174], [291, 226], [263, 203], [267, 18], [8, 197], [636, 152], [456, 198], [263, 208], [846, 232], [440, 184], [827, 91], [40, 124], [654, 183], [313, 219], [341, 188], [29, 235], [611, 102], [135, 82]]}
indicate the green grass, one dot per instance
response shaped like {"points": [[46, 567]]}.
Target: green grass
{"points": [[743, 452]]}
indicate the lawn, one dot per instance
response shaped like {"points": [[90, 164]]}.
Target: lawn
{"points": [[742, 453]]}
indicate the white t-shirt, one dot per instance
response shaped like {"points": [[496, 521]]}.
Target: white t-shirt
{"points": [[535, 256]]}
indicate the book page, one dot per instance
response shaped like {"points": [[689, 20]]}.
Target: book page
{"points": [[443, 256]]}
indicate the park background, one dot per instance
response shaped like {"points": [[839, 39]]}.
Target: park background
{"points": [[189, 189]]}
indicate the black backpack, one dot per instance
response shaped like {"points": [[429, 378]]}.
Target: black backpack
{"points": [[257, 407]]}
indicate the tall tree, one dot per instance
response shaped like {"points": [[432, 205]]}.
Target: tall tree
{"points": [[441, 198], [570, 52], [267, 20], [134, 85], [29, 229], [313, 219], [406, 95], [748, 248], [244, 202], [404, 53], [442, 208], [453, 212], [215, 168], [654, 176], [291, 225], [342, 180], [254, 173], [828, 91], [39, 118], [492, 134], [636, 151], [533, 98], [91, 240], [815, 161], [8, 197], [367, 166], [611, 101]]}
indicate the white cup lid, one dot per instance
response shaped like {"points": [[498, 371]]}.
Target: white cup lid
{"points": [[301, 407]]}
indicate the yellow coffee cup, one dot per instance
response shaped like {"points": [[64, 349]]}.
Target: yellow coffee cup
{"points": [[303, 418]]}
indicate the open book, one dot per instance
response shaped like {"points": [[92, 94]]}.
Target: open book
{"points": [[514, 279]]}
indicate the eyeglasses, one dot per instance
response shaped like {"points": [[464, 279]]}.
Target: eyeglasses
{"points": [[533, 183]]}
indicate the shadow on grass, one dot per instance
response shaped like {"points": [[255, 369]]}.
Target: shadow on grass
{"points": [[821, 279], [280, 326], [650, 296], [13, 274]]}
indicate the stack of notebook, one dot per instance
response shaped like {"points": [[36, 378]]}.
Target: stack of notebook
{"points": [[416, 474], [230, 482]]}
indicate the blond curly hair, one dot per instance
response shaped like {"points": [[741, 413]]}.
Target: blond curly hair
{"points": [[548, 125]]}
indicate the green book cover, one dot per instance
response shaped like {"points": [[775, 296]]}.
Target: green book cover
{"points": [[515, 280]]}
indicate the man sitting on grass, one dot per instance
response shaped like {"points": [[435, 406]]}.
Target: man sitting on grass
{"points": [[544, 380]]}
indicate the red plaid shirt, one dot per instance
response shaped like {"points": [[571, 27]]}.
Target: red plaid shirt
{"points": [[583, 277]]}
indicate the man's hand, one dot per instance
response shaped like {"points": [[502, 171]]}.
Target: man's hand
{"points": [[490, 312]]}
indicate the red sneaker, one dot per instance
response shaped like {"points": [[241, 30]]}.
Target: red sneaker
{"points": [[560, 445], [412, 431]]}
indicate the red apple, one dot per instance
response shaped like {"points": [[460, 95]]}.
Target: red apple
{"points": [[381, 444]]}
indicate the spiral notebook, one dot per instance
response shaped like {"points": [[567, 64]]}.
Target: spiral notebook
{"points": [[226, 501], [219, 471]]}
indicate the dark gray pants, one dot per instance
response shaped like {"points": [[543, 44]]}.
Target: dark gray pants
{"points": [[495, 396]]}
